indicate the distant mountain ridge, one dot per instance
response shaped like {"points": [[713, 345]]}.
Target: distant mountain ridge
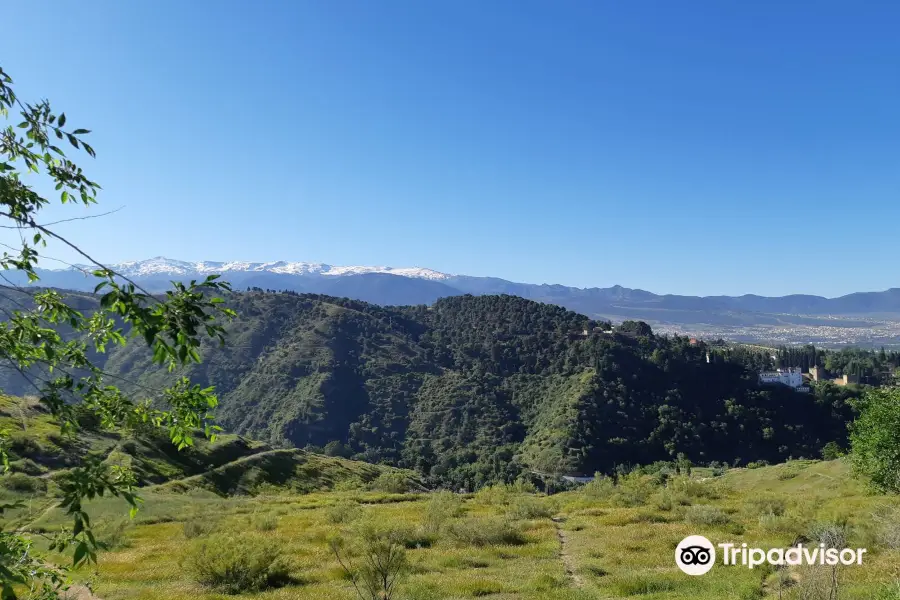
{"points": [[161, 265], [418, 285]]}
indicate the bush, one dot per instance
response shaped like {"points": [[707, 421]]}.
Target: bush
{"points": [[391, 482], [600, 489], [197, 527], [336, 448], [237, 564], [668, 499], [767, 506], [27, 466], [265, 523], [497, 494], [633, 489], [889, 529], [487, 531], [20, 482], [704, 514], [875, 437], [114, 535], [382, 564], [832, 451], [25, 447], [413, 537], [343, 511], [524, 486], [442, 507], [694, 489], [528, 507]]}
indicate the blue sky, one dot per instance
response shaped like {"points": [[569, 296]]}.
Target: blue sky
{"points": [[698, 147]]}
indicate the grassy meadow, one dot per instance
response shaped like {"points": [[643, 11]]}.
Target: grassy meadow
{"points": [[505, 542]]}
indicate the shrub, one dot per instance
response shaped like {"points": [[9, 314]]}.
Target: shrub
{"points": [[20, 482], [889, 529], [832, 451], [235, 565], [704, 514], [25, 446], [414, 537], [633, 489], [380, 565], [343, 511], [350, 484], [197, 527], [391, 482], [757, 464], [114, 535], [780, 523], [694, 489], [265, 523], [524, 486], [832, 534], [600, 489], [336, 448], [528, 507], [875, 437], [766, 506], [668, 499], [487, 531], [497, 494], [27, 466], [442, 507]]}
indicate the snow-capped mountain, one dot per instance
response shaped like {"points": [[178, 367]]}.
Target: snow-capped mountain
{"points": [[739, 317], [161, 266]]}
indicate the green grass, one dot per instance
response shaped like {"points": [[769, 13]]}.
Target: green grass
{"points": [[480, 548], [503, 543]]}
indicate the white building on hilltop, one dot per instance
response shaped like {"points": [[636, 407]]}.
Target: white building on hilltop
{"points": [[789, 377]]}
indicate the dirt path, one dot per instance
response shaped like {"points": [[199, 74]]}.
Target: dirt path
{"points": [[567, 559], [79, 592]]}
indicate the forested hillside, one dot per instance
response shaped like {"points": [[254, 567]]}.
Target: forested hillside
{"points": [[476, 389]]}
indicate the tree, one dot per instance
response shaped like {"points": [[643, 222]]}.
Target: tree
{"points": [[50, 343], [875, 438]]}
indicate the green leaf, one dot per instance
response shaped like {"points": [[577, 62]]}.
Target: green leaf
{"points": [[80, 553], [62, 119], [81, 131]]}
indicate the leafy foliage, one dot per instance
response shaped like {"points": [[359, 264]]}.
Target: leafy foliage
{"points": [[54, 346], [237, 564], [875, 439]]}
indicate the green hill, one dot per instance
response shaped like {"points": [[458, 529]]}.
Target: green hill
{"points": [[232, 465], [479, 389]]}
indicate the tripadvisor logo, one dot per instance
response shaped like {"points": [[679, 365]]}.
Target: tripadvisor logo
{"points": [[696, 555]]}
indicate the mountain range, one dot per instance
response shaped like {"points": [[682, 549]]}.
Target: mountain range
{"points": [[416, 285]]}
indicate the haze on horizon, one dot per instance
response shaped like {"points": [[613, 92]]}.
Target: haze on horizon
{"points": [[696, 150]]}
